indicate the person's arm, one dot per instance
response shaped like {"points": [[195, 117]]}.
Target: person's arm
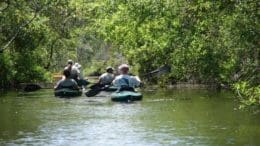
{"points": [[137, 78], [115, 82], [81, 76], [99, 79], [136, 81], [78, 74], [113, 76], [57, 85]]}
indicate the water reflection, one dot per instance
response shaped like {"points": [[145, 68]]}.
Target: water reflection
{"points": [[182, 117]]}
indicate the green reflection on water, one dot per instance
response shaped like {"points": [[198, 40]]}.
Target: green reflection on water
{"points": [[164, 117]]}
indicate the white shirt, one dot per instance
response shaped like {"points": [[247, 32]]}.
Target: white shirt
{"points": [[106, 78], [126, 80], [75, 73]]}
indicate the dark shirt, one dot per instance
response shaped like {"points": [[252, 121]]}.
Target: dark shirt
{"points": [[74, 72]]}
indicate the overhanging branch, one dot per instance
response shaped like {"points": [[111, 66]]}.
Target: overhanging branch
{"points": [[38, 11]]}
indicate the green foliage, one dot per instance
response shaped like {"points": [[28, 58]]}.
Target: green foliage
{"points": [[204, 41], [39, 36], [199, 39], [249, 95], [214, 42]]}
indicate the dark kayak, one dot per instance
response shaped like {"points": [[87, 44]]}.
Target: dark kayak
{"points": [[123, 96], [65, 92]]}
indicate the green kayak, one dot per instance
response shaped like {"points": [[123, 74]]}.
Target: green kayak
{"points": [[67, 92], [126, 96]]}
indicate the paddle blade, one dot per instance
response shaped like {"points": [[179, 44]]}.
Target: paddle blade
{"points": [[162, 70], [93, 92]]}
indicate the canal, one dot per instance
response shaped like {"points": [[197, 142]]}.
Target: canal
{"points": [[163, 117]]}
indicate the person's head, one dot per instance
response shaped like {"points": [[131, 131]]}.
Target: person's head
{"points": [[66, 73], [123, 69], [109, 69], [77, 65], [70, 62]]}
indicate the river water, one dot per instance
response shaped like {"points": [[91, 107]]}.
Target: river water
{"points": [[163, 117]]}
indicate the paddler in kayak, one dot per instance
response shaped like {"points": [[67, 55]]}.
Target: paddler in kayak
{"points": [[77, 75], [105, 79], [124, 81], [67, 82], [108, 77], [69, 65], [74, 70]]}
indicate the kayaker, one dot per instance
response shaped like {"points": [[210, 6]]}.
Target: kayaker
{"points": [[67, 82], [78, 75], [77, 67], [124, 81], [105, 79], [69, 65], [74, 71], [108, 77]]}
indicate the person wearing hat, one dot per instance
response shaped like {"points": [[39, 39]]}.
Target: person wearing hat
{"points": [[75, 71], [108, 77], [67, 82], [69, 65], [124, 81], [78, 76]]}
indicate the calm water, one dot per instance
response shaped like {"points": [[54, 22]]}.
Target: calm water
{"points": [[173, 117]]}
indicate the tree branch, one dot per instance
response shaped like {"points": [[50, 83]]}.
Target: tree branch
{"points": [[51, 54], [16, 34], [8, 4], [22, 26]]}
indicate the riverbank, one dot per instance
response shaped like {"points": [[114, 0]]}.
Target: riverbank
{"points": [[178, 85]]}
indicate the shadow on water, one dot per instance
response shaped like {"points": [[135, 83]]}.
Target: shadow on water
{"points": [[163, 117]]}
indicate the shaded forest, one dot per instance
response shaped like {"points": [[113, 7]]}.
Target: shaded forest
{"points": [[209, 42]]}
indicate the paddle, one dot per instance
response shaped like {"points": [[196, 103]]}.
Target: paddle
{"points": [[97, 88], [160, 70]]}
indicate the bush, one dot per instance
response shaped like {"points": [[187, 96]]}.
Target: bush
{"points": [[248, 95]]}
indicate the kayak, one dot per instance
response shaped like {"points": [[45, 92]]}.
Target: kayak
{"points": [[65, 92], [122, 96]]}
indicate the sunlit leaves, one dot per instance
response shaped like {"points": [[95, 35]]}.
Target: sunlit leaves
{"points": [[205, 41]]}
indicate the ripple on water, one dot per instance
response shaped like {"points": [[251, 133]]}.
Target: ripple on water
{"points": [[163, 118]]}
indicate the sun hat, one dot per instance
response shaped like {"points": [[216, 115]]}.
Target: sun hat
{"points": [[122, 66], [70, 62], [77, 65], [109, 68]]}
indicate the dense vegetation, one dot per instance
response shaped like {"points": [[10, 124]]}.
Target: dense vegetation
{"points": [[39, 36], [213, 42]]}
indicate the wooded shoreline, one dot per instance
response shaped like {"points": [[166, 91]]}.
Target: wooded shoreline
{"points": [[215, 42]]}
